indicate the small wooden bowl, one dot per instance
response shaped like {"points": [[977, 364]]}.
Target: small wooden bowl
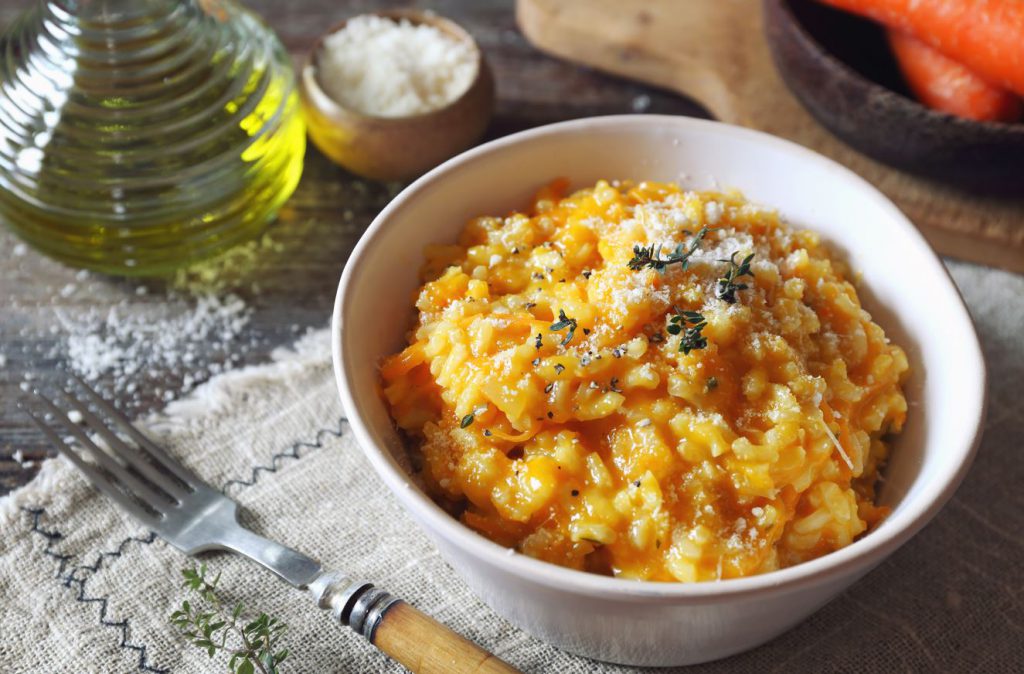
{"points": [[397, 148], [841, 69]]}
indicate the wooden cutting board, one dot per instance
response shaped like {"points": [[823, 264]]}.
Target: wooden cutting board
{"points": [[714, 51]]}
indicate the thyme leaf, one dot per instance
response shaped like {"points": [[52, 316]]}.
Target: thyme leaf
{"points": [[689, 324], [727, 286], [213, 627], [471, 417], [563, 323], [651, 256]]}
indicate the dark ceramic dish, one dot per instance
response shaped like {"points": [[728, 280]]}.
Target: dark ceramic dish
{"points": [[841, 69]]}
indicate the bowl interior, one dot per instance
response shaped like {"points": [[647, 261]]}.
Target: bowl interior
{"points": [[904, 286]]}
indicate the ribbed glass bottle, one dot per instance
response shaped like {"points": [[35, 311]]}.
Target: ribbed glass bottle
{"points": [[140, 135]]}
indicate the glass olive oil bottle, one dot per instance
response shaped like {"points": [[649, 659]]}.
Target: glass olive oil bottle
{"points": [[140, 135]]}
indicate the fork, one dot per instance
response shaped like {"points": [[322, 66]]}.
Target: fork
{"points": [[194, 517]]}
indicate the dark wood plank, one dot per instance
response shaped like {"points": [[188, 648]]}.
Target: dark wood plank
{"points": [[315, 233]]}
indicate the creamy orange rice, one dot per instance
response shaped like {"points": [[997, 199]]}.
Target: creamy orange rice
{"points": [[648, 382]]}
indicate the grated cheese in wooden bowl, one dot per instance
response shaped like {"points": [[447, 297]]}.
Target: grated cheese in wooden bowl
{"points": [[385, 68]]}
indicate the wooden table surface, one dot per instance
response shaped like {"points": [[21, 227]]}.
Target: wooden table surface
{"points": [[297, 276]]}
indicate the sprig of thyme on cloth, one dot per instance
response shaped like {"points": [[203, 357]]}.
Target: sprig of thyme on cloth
{"points": [[209, 625]]}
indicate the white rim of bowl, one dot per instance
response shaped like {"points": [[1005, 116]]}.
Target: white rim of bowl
{"points": [[862, 554]]}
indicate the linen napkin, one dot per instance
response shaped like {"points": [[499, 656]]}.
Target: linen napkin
{"points": [[83, 588]]}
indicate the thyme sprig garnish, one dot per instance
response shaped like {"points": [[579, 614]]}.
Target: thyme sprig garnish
{"points": [[209, 625], [727, 286], [690, 324], [651, 256], [563, 323]]}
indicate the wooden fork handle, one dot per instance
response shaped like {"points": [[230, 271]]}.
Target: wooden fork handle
{"points": [[425, 646], [415, 640]]}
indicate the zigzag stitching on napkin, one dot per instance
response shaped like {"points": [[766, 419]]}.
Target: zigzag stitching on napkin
{"points": [[51, 537], [291, 453], [54, 536], [103, 555]]}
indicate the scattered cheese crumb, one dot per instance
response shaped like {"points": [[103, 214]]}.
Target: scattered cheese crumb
{"points": [[835, 441], [641, 103], [712, 212], [125, 343]]}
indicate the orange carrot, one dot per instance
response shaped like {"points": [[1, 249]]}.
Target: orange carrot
{"points": [[944, 84], [401, 363], [518, 437], [987, 36]]}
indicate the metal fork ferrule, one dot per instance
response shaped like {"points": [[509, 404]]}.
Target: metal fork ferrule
{"points": [[356, 604], [369, 610]]}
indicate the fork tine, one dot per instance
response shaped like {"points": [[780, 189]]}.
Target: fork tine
{"points": [[145, 444], [133, 457], [131, 483], [97, 479]]}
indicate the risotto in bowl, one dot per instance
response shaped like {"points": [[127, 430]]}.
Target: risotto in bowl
{"points": [[657, 388]]}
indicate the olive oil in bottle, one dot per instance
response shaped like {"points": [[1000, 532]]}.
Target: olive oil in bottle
{"points": [[140, 135]]}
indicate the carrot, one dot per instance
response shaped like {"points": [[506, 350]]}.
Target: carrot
{"points": [[401, 363], [987, 36], [946, 85], [520, 437]]}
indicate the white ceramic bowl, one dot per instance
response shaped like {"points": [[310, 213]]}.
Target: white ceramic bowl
{"points": [[905, 288]]}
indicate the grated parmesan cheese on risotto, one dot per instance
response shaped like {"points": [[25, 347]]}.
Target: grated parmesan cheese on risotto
{"points": [[384, 68], [680, 387]]}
